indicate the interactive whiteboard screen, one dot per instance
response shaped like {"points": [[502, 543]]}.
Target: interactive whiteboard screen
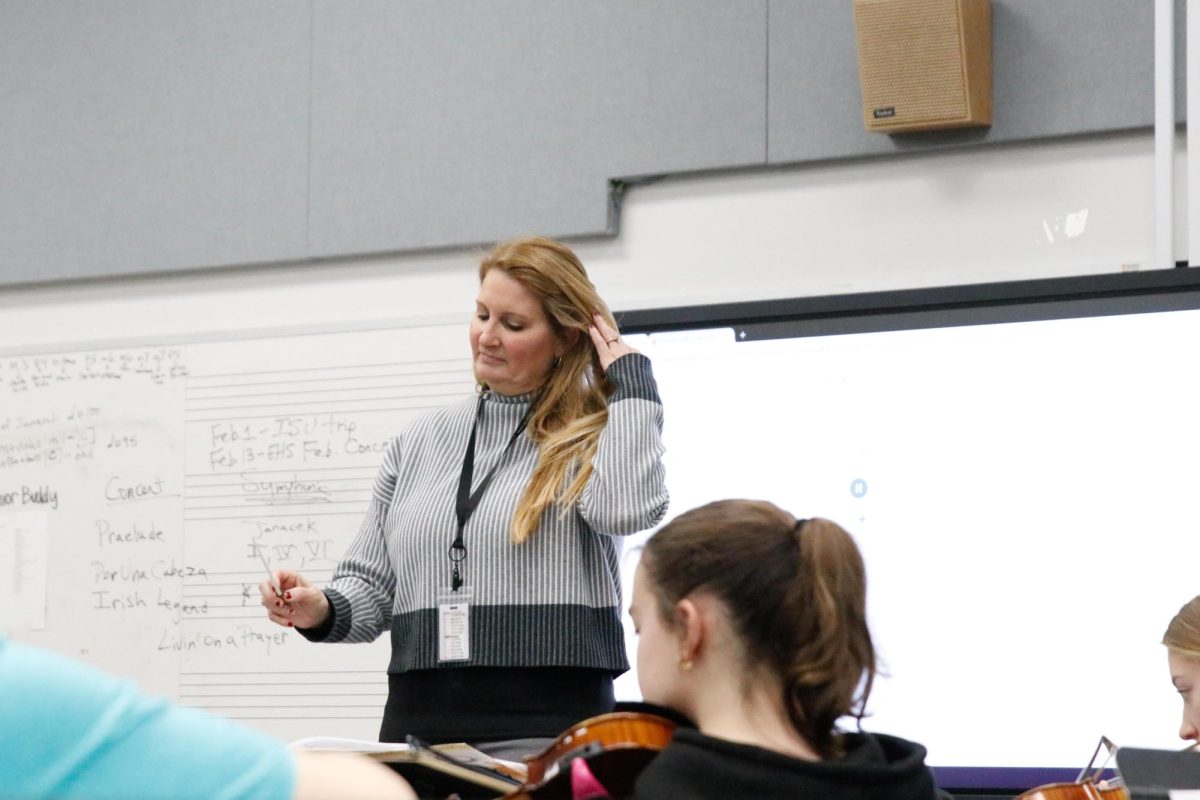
{"points": [[1025, 495]]}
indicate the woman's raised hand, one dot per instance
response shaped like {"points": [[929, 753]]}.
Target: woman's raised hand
{"points": [[298, 603], [607, 341]]}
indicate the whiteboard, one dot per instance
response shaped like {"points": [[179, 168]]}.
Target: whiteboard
{"points": [[142, 487], [1017, 489]]}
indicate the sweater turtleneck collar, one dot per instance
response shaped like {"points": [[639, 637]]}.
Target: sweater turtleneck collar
{"points": [[491, 396]]}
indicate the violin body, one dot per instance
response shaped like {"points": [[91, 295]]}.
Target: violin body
{"points": [[1082, 790], [616, 747]]}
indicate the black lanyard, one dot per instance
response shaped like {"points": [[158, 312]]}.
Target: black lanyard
{"points": [[467, 501]]}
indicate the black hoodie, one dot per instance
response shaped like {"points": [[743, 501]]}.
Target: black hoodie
{"points": [[698, 767]]}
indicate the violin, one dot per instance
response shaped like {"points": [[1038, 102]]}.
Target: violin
{"points": [[614, 747], [1084, 787]]}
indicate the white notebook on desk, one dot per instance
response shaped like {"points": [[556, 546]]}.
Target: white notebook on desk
{"points": [[456, 759]]}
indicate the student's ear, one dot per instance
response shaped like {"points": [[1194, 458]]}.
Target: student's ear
{"points": [[691, 625]]}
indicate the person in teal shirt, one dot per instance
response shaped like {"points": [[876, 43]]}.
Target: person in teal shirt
{"points": [[68, 730]]}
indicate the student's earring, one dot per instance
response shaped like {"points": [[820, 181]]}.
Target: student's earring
{"points": [[685, 663]]}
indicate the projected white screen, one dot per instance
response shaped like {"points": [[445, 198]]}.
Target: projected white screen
{"points": [[1025, 496]]}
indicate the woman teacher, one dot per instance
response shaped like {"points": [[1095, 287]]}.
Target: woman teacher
{"points": [[490, 549]]}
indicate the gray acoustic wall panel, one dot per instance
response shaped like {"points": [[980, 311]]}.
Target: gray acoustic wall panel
{"points": [[150, 136], [158, 135], [1059, 68], [442, 122]]}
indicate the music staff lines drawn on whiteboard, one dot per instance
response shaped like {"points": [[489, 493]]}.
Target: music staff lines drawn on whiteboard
{"points": [[441, 365], [358, 392]]}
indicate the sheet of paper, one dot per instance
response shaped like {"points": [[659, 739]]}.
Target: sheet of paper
{"points": [[334, 743], [458, 751], [23, 567]]}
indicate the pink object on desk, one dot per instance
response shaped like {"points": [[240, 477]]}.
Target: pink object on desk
{"points": [[584, 785]]}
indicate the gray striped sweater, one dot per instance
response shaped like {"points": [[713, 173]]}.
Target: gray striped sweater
{"points": [[553, 600]]}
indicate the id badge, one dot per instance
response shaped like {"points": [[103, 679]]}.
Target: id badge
{"points": [[454, 624]]}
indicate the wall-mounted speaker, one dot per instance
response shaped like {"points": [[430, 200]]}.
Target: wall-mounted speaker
{"points": [[924, 64]]}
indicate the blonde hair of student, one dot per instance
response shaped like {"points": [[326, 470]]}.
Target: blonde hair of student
{"points": [[1183, 632], [795, 593], [572, 408]]}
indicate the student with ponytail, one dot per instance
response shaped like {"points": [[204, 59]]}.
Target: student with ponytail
{"points": [[753, 624]]}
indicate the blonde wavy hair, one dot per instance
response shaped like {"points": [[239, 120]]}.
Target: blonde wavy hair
{"points": [[1183, 632], [572, 406]]}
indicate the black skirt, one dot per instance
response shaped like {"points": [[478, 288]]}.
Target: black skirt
{"points": [[480, 704]]}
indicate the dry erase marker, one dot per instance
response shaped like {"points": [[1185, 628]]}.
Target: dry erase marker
{"points": [[270, 575]]}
